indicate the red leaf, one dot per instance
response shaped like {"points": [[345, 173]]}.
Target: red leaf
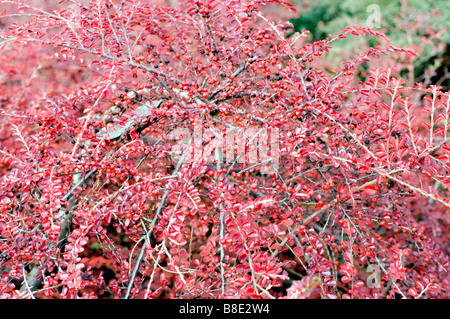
{"points": [[370, 190], [346, 279]]}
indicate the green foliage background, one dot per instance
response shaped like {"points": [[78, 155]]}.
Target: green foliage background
{"points": [[409, 23]]}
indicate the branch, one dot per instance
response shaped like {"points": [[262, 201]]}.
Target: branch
{"points": [[222, 227], [155, 219]]}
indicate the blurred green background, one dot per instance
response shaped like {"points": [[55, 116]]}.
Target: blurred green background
{"points": [[421, 25]]}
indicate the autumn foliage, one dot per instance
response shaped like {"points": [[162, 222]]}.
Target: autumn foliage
{"points": [[102, 197]]}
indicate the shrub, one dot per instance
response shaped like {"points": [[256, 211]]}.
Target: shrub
{"points": [[154, 152]]}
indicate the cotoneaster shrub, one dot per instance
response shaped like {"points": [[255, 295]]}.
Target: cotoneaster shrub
{"points": [[115, 182]]}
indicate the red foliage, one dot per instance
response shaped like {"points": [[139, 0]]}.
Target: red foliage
{"points": [[109, 191]]}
